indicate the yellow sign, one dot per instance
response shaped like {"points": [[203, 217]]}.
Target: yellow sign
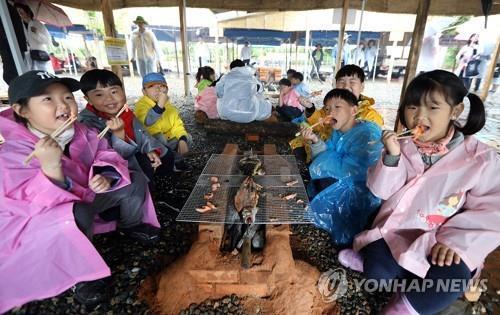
{"points": [[116, 50]]}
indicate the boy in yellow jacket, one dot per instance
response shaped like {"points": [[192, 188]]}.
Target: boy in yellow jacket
{"points": [[161, 118], [349, 77]]}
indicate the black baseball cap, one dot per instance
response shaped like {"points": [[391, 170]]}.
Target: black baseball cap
{"points": [[33, 83]]}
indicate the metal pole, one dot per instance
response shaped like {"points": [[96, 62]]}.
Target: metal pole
{"points": [[376, 60], [361, 22], [11, 38]]}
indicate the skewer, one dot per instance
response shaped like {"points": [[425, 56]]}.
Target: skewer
{"points": [[53, 135], [403, 135], [105, 130], [321, 121]]}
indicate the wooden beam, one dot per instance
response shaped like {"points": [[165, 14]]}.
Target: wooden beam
{"points": [[340, 43], [416, 45], [185, 52], [490, 71], [110, 30]]}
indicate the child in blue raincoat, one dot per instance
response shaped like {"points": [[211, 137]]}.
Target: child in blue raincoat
{"points": [[341, 203]]}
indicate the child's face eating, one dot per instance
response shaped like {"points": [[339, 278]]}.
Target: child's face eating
{"points": [[155, 90], [49, 110], [342, 113], [352, 84], [108, 99], [434, 115], [285, 89]]}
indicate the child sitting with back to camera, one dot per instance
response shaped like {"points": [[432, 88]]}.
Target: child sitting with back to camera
{"points": [[104, 93], [205, 77], [440, 216], [341, 204]]}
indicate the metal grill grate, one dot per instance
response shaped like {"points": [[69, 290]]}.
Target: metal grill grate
{"points": [[273, 209]]}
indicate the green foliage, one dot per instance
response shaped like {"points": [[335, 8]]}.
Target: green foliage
{"points": [[452, 28], [449, 59]]}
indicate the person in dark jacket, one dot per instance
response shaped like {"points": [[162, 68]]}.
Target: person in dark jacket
{"points": [[9, 67]]}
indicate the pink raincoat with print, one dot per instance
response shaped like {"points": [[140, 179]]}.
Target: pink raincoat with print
{"points": [[455, 202], [42, 251]]}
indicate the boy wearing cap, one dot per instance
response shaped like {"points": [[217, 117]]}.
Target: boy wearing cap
{"points": [[49, 204], [104, 93], [161, 118], [145, 48]]}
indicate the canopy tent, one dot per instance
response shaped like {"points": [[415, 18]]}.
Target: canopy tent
{"points": [[168, 33], [330, 38], [60, 32], [437, 7], [257, 36]]}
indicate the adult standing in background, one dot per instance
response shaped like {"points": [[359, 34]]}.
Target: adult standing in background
{"points": [[465, 55], [370, 57], [9, 66], [317, 56], [37, 38], [346, 53], [246, 53], [145, 48], [430, 58], [358, 55]]}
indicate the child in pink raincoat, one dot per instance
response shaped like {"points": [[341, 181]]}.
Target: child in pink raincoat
{"points": [[49, 205], [440, 218]]}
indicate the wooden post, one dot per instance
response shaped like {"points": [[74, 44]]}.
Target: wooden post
{"points": [[110, 30], [490, 71], [340, 44], [185, 52], [416, 42]]}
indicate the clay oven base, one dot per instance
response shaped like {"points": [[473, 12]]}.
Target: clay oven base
{"points": [[275, 283]]}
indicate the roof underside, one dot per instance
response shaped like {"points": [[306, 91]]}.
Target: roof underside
{"points": [[438, 7]]}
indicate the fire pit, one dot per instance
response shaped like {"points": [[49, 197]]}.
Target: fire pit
{"points": [[211, 270]]}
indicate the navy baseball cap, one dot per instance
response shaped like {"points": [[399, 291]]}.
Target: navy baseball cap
{"points": [[33, 83], [153, 78]]}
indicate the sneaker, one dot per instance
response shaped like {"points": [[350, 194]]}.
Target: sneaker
{"points": [[91, 293], [351, 259], [144, 233], [181, 166]]}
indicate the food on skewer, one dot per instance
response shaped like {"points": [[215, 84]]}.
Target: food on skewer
{"points": [[418, 131], [208, 196], [211, 205], [290, 196], [203, 209], [300, 201], [292, 183], [215, 186], [214, 179]]}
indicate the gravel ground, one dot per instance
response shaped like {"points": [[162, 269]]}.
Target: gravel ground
{"points": [[131, 262]]}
